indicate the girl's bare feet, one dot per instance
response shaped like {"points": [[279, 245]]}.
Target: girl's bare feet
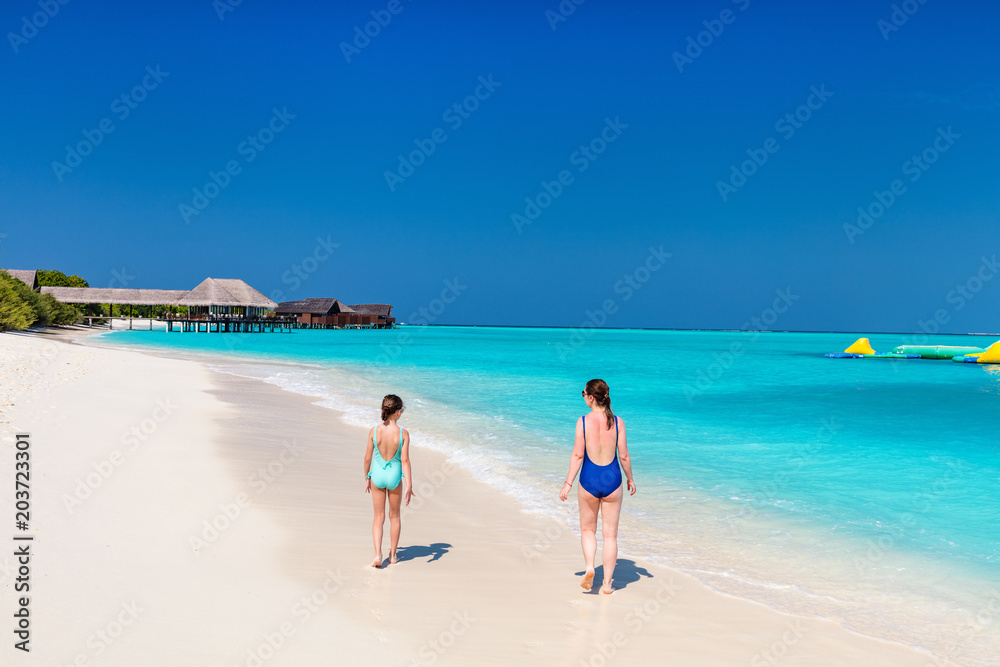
{"points": [[393, 559], [588, 580], [377, 563], [607, 589]]}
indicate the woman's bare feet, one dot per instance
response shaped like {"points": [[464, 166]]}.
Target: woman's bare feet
{"points": [[377, 563], [588, 580], [607, 589], [393, 559]]}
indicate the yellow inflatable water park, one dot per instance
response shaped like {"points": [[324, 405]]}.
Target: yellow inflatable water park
{"points": [[862, 349], [990, 356]]}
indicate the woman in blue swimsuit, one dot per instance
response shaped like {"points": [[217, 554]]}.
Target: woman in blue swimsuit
{"points": [[596, 457], [387, 462]]}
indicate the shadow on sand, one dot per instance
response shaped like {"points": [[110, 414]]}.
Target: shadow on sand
{"points": [[626, 572], [435, 551]]}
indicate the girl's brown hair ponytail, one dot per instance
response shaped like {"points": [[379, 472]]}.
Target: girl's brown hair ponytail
{"points": [[390, 405]]}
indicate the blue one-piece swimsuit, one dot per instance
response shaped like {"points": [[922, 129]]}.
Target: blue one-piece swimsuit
{"points": [[600, 481]]}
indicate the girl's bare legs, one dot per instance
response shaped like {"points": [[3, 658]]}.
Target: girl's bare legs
{"points": [[611, 509], [378, 502], [395, 495], [589, 506]]}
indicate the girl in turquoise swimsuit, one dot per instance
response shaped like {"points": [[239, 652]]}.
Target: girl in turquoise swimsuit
{"points": [[600, 459], [387, 462]]}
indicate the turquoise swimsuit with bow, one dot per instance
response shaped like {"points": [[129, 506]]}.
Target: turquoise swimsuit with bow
{"points": [[386, 474]]}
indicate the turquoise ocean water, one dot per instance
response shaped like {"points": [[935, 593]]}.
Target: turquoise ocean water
{"points": [[864, 491]]}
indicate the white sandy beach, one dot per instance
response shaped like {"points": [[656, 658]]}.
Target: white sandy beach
{"points": [[188, 517]]}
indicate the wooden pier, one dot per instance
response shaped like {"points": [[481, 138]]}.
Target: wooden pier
{"points": [[229, 325], [266, 325], [109, 320]]}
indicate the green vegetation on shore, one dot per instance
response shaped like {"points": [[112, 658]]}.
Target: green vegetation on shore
{"points": [[59, 279], [20, 307]]}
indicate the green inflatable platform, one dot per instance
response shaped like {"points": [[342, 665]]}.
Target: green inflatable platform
{"points": [[937, 351]]}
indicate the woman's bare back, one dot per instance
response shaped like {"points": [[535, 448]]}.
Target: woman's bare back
{"points": [[601, 442]]}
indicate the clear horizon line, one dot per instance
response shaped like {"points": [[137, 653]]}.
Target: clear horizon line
{"points": [[556, 326]]}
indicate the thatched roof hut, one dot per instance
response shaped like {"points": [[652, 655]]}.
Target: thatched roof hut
{"points": [[116, 295], [212, 295], [225, 292], [29, 278]]}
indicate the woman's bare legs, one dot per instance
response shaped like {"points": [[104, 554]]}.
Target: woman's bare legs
{"points": [[395, 495], [611, 509], [378, 502], [589, 506]]}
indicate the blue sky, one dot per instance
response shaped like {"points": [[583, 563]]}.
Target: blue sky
{"points": [[313, 213]]}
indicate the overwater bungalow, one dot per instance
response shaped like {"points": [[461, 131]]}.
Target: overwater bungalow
{"points": [[331, 313]]}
